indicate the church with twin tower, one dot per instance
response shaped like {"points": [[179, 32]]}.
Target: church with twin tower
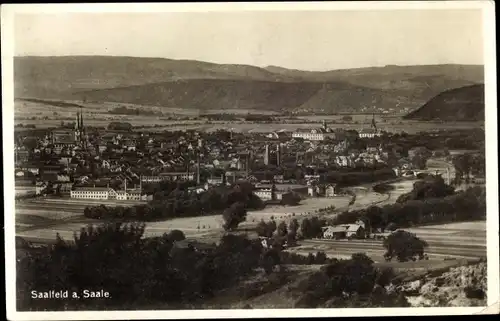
{"points": [[79, 131]]}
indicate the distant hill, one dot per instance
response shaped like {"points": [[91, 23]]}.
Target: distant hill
{"points": [[460, 104], [197, 84], [206, 94]]}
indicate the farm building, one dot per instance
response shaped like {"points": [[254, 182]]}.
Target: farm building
{"points": [[344, 231]]}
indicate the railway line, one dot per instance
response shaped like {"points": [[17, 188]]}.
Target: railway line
{"points": [[436, 249]]}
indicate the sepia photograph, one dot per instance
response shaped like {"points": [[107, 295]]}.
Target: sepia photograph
{"points": [[249, 160]]}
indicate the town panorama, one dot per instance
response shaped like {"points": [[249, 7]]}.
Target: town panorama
{"points": [[174, 184]]}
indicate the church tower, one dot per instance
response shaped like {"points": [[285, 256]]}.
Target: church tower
{"points": [[77, 127]]}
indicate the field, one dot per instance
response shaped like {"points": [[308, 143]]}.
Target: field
{"points": [[44, 218], [98, 115]]}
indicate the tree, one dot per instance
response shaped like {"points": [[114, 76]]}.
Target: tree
{"points": [[271, 227], [234, 215], [282, 229], [176, 235], [419, 162], [292, 232], [290, 199], [404, 246], [321, 258], [305, 228], [269, 259], [294, 226], [291, 238], [262, 229]]}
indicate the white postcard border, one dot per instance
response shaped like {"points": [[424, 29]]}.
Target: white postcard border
{"points": [[8, 12]]}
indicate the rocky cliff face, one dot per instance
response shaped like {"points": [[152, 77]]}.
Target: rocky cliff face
{"points": [[462, 286]]}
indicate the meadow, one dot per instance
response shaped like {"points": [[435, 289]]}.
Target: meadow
{"points": [[98, 115]]}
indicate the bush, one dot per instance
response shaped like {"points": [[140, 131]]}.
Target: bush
{"points": [[429, 187], [134, 270], [474, 293], [347, 283], [176, 235], [404, 246]]}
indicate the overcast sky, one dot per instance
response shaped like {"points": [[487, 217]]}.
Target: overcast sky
{"points": [[311, 40]]}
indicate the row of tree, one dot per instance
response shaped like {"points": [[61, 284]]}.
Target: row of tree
{"points": [[466, 164], [182, 202], [122, 110], [428, 187], [463, 206]]}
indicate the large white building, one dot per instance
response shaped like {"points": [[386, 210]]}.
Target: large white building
{"points": [[96, 193], [129, 195], [315, 134], [369, 133], [105, 193]]}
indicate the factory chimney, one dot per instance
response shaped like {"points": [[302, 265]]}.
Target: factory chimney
{"points": [[198, 168], [278, 155], [266, 155]]}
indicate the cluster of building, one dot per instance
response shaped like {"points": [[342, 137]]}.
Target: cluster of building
{"points": [[85, 163]]}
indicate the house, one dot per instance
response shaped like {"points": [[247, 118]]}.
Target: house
{"points": [[22, 155], [331, 190], [215, 180], [345, 231], [52, 169], [309, 134], [334, 232], [65, 187], [32, 168], [129, 195], [264, 193], [311, 177], [312, 190]]}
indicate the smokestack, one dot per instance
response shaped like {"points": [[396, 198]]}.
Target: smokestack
{"points": [[125, 185], [266, 155], [198, 169], [278, 155]]}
